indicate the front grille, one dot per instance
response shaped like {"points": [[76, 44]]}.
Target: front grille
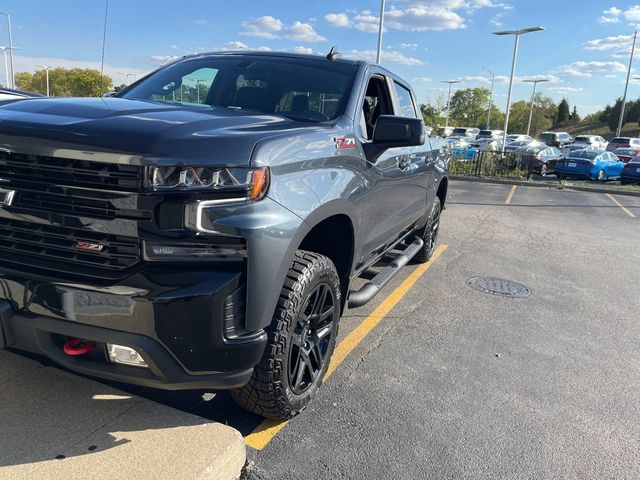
{"points": [[66, 171], [49, 247]]}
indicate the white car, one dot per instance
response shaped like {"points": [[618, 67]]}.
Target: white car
{"points": [[518, 138], [594, 141]]}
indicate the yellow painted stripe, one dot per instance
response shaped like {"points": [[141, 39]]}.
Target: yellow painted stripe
{"points": [[264, 433], [625, 209], [510, 196]]}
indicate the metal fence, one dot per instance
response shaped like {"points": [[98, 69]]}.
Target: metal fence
{"points": [[478, 163]]}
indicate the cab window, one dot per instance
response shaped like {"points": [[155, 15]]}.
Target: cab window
{"points": [[405, 101]]}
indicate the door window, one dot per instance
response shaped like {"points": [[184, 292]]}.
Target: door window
{"points": [[376, 102], [405, 102]]}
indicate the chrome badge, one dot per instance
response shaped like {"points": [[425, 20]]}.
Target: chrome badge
{"points": [[6, 197]]}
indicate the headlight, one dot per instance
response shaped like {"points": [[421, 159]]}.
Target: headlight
{"points": [[249, 183]]}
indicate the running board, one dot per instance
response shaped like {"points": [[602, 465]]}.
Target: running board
{"points": [[373, 286]]}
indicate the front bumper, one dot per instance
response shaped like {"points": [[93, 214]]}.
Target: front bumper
{"points": [[177, 320]]}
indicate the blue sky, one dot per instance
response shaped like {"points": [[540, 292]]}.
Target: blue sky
{"points": [[584, 50]]}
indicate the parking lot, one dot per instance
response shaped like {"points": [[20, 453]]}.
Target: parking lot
{"points": [[456, 383]]}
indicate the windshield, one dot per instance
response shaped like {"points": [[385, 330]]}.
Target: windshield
{"points": [[621, 141], [301, 89], [625, 151], [459, 131]]}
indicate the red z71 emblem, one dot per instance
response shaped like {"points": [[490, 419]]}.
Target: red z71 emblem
{"points": [[345, 142], [89, 247]]}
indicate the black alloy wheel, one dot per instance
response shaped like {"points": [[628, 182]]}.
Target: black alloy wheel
{"points": [[310, 340], [430, 233]]}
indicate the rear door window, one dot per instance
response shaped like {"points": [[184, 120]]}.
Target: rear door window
{"points": [[405, 102]]}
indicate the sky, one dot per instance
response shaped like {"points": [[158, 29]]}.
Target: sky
{"points": [[583, 52]]}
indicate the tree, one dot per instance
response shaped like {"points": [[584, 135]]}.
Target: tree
{"points": [[563, 112], [574, 117], [469, 107], [75, 82], [544, 115], [432, 115]]}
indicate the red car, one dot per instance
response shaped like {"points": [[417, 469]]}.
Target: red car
{"points": [[626, 154]]}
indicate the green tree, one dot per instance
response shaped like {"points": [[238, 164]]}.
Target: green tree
{"points": [[434, 113], [563, 112], [574, 117], [543, 118], [469, 107], [614, 115], [74, 82]]}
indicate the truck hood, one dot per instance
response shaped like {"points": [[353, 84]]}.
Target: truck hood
{"points": [[146, 129]]}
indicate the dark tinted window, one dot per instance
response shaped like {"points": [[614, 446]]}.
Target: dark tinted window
{"points": [[459, 131], [307, 90], [588, 154]]}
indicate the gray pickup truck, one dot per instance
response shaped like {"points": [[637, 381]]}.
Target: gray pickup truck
{"points": [[205, 227]]}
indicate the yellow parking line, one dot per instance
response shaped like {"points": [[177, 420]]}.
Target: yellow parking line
{"points": [[264, 433], [625, 209], [510, 196]]}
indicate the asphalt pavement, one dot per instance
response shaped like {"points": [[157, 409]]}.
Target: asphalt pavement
{"points": [[454, 383]]}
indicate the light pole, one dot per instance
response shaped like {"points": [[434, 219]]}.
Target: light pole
{"points": [[517, 34], [46, 68], [450, 82], [533, 96], [493, 78], [380, 27], [13, 76], [626, 85]]}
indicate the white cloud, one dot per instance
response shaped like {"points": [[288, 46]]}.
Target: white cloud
{"points": [[497, 20], [587, 69], [610, 15], [366, 21], [632, 14], [422, 80], [609, 43], [422, 17], [337, 19], [174, 47], [263, 27], [409, 46], [163, 59], [387, 56], [303, 32], [305, 50], [236, 45], [565, 89]]}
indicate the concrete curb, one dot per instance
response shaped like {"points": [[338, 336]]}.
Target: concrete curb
{"points": [[524, 183], [59, 425]]}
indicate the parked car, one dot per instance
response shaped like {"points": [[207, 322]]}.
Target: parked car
{"points": [[594, 141], [631, 172], [493, 134], [513, 146], [544, 158], [7, 95], [624, 142], [466, 132], [590, 163], [212, 241], [516, 137], [444, 132], [555, 139], [626, 154]]}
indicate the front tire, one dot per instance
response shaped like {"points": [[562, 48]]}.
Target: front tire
{"points": [[430, 233], [301, 339], [601, 176]]}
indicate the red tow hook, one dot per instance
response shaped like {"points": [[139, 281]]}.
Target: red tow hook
{"points": [[77, 346]]}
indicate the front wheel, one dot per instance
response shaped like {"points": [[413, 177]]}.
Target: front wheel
{"points": [[544, 169], [301, 339], [601, 176], [430, 233]]}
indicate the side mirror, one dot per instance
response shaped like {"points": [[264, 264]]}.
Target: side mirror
{"points": [[394, 132], [110, 94]]}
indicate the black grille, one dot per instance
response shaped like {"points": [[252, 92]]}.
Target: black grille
{"points": [[45, 246], [65, 171]]}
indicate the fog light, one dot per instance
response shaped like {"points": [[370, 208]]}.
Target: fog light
{"points": [[125, 356]]}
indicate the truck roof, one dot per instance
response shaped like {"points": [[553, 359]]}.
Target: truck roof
{"points": [[259, 53]]}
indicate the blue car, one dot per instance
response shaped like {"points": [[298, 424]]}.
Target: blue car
{"points": [[590, 163]]}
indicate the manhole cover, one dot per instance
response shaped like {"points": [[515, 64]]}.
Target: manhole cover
{"points": [[499, 286]]}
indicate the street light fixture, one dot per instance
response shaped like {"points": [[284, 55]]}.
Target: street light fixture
{"points": [[13, 76], [517, 34], [46, 68], [533, 96], [493, 78], [450, 82]]}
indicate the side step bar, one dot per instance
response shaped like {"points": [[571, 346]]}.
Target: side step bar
{"points": [[372, 287]]}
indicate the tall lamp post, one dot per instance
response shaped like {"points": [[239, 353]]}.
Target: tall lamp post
{"points": [[493, 78], [6, 66], [46, 68], [450, 82], [517, 34], [533, 97], [13, 76], [380, 27], [626, 85]]}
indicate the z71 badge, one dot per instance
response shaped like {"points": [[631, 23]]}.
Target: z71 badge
{"points": [[345, 142]]}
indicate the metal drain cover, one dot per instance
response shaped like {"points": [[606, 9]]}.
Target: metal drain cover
{"points": [[499, 286]]}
